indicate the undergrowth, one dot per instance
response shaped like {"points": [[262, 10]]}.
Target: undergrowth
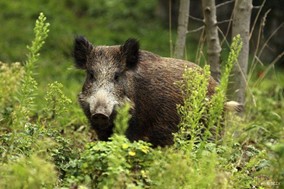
{"points": [[46, 148]]}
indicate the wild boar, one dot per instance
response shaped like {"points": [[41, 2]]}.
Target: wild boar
{"points": [[124, 73]]}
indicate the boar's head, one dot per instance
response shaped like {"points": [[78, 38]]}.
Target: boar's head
{"points": [[109, 79]]}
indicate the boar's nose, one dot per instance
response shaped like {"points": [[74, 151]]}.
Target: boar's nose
{"points": [[100, 118]]}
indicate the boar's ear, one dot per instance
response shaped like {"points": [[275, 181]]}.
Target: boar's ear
{"points": [[130, 49], [82, 48]]}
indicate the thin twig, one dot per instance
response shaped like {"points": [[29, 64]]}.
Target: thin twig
{"points": [[200, 47], [269, 67], [268, 39], [253, 66], [196, 30], [224, 21], [262, 24], [260, 61], [257, 7], [229, 26], [196, 19], [225, 3], [224, 37], [256, 18]]}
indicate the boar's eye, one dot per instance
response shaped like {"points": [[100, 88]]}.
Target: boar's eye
{"points": [[91, 75], [116, 76]]}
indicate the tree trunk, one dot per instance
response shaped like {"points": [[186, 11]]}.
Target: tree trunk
{"points": [[241, 25], [213, 43], [182, 28]]}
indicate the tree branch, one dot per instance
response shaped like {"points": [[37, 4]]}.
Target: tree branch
{"points": [[196, 30], [225, 3], [196, 19], [224, 21]]}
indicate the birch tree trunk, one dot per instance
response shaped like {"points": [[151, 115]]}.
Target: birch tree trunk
{"points": [[182, 28], [212, 38], [241, 25]]}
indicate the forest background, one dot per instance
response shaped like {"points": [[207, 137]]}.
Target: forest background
{"points": [[110, 23]]}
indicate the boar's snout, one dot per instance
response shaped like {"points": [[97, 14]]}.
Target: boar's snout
{"points": [[101, 117], [102, 109], [100, 114]]}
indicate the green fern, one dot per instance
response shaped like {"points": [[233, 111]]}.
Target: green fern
{"points": [[57, 104], [218, 99], [28, 88], [23, 107], [194, 91], [41, 33]]}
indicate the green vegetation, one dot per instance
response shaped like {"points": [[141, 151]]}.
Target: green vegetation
{"points": [[44, 137]]}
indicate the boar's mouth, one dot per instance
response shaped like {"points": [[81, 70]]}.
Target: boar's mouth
{"points": [[102, 121]]}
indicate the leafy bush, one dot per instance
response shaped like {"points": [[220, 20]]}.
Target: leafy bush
{"points": [[114, 164], [9, 83], [32, 148], [28, 172]]}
